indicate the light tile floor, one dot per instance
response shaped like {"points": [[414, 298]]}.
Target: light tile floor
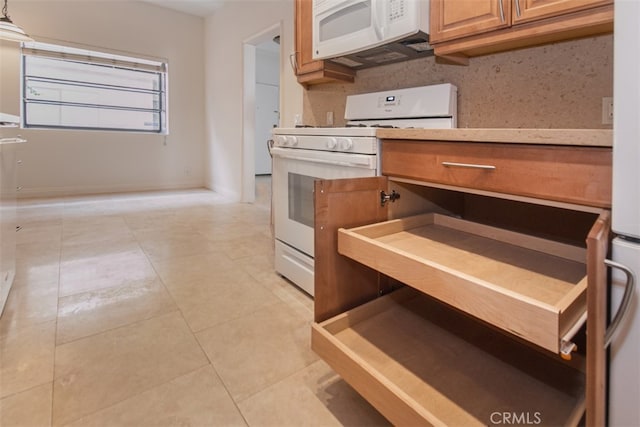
{"points": [[160, 308]]}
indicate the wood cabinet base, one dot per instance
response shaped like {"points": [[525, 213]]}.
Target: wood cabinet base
{"points": [[419, 362]]}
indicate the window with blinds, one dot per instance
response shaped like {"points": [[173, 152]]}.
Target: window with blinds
{"points": [[70, 88]]}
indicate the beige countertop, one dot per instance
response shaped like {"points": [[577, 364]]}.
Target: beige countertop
{"points": [[578, 137]]}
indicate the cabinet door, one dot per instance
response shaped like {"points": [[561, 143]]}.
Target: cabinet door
{"points": [[7, 220], [530, 10], [308, 70], [467, 28], [452, 19], [341, 283], [597, 247], [304, 60]]}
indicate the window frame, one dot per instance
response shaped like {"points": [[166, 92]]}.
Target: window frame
{"points": [[95, 58]]}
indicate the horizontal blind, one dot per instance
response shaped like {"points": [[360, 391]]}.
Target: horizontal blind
{"points": [[78, 89], [93, 57]]}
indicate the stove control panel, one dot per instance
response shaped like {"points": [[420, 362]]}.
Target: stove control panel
{"points": [[339, 143], [286, 140], [345, 144]]}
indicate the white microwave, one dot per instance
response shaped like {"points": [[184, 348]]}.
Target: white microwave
{"points": [[344, 27]]}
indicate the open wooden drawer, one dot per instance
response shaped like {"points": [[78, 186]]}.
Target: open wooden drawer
{"points": [[528, 286], [421, 363]]}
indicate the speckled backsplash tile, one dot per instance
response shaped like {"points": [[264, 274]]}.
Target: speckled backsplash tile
{"points": [[557, 86]]}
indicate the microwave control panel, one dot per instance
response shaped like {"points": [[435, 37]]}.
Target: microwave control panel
{"points": [[397, 9]]}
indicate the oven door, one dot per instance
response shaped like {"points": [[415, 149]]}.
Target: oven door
{"points": [[294, 172]]}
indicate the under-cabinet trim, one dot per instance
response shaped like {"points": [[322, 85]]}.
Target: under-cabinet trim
{"points": [[506, 196]]}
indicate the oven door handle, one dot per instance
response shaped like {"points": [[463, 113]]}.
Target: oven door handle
{"points": [[365, 163]]}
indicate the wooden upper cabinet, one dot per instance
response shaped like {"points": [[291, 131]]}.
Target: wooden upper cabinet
{"points": [[530, 10], [463, 28], [455, 19], [308, 70]]}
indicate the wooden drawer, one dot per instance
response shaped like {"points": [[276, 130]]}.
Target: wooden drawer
{"points": [[579, 175], [420, 363], [528, 286]]}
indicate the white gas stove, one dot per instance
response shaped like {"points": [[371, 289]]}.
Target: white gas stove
{"points": [[303, 154], [426, 107]]}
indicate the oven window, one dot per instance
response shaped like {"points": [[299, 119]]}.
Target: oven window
{"points": [[301, 198]]}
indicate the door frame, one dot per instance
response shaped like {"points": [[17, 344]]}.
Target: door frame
{"points": [[248, 107]]}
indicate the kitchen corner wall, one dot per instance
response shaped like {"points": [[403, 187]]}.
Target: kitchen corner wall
{"points": [[557, 86]]}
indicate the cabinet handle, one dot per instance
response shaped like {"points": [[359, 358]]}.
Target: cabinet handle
{"points": [[293, 60], [18, 228], [624, 304], [468, 165], [501, 10], [19, 188], [517, 8]]}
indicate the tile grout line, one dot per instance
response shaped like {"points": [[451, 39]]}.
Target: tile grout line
{"points": [[55, 334]]}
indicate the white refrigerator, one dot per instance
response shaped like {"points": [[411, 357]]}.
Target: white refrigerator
{"points": [[624, 366]]}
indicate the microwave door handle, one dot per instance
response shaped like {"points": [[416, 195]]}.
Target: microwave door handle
{"points": [[323, 13], [379, 13]]}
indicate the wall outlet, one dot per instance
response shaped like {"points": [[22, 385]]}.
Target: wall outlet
{"points": [[607, 110], [329, 118]]}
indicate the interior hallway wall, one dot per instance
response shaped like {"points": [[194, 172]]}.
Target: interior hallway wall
{"points": [[61, 162], [225, 33]]}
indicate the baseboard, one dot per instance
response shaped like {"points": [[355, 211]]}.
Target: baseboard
{"points": [[46, 192], [230, 195]]}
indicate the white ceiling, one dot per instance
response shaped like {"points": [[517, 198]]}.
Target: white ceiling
{"points": [[193, 7]]}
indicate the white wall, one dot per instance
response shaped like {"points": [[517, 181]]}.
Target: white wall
{"points": [[73, 162], [225, 32]]}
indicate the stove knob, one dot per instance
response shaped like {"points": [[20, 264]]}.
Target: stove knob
{"points": [[345, 144], [332, 143], [293, 141], [281, 140]]}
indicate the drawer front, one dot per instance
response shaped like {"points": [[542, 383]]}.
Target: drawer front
{"points": [[530, 287], [580, 175]]}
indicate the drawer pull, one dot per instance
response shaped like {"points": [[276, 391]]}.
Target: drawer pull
{"points": [[468, 165], [624, 304]]}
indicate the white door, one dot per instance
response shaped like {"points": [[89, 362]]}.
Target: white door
{"points": [[267, 114]]}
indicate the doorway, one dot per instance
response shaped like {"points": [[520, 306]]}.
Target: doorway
{"points": [[261, 109]]}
